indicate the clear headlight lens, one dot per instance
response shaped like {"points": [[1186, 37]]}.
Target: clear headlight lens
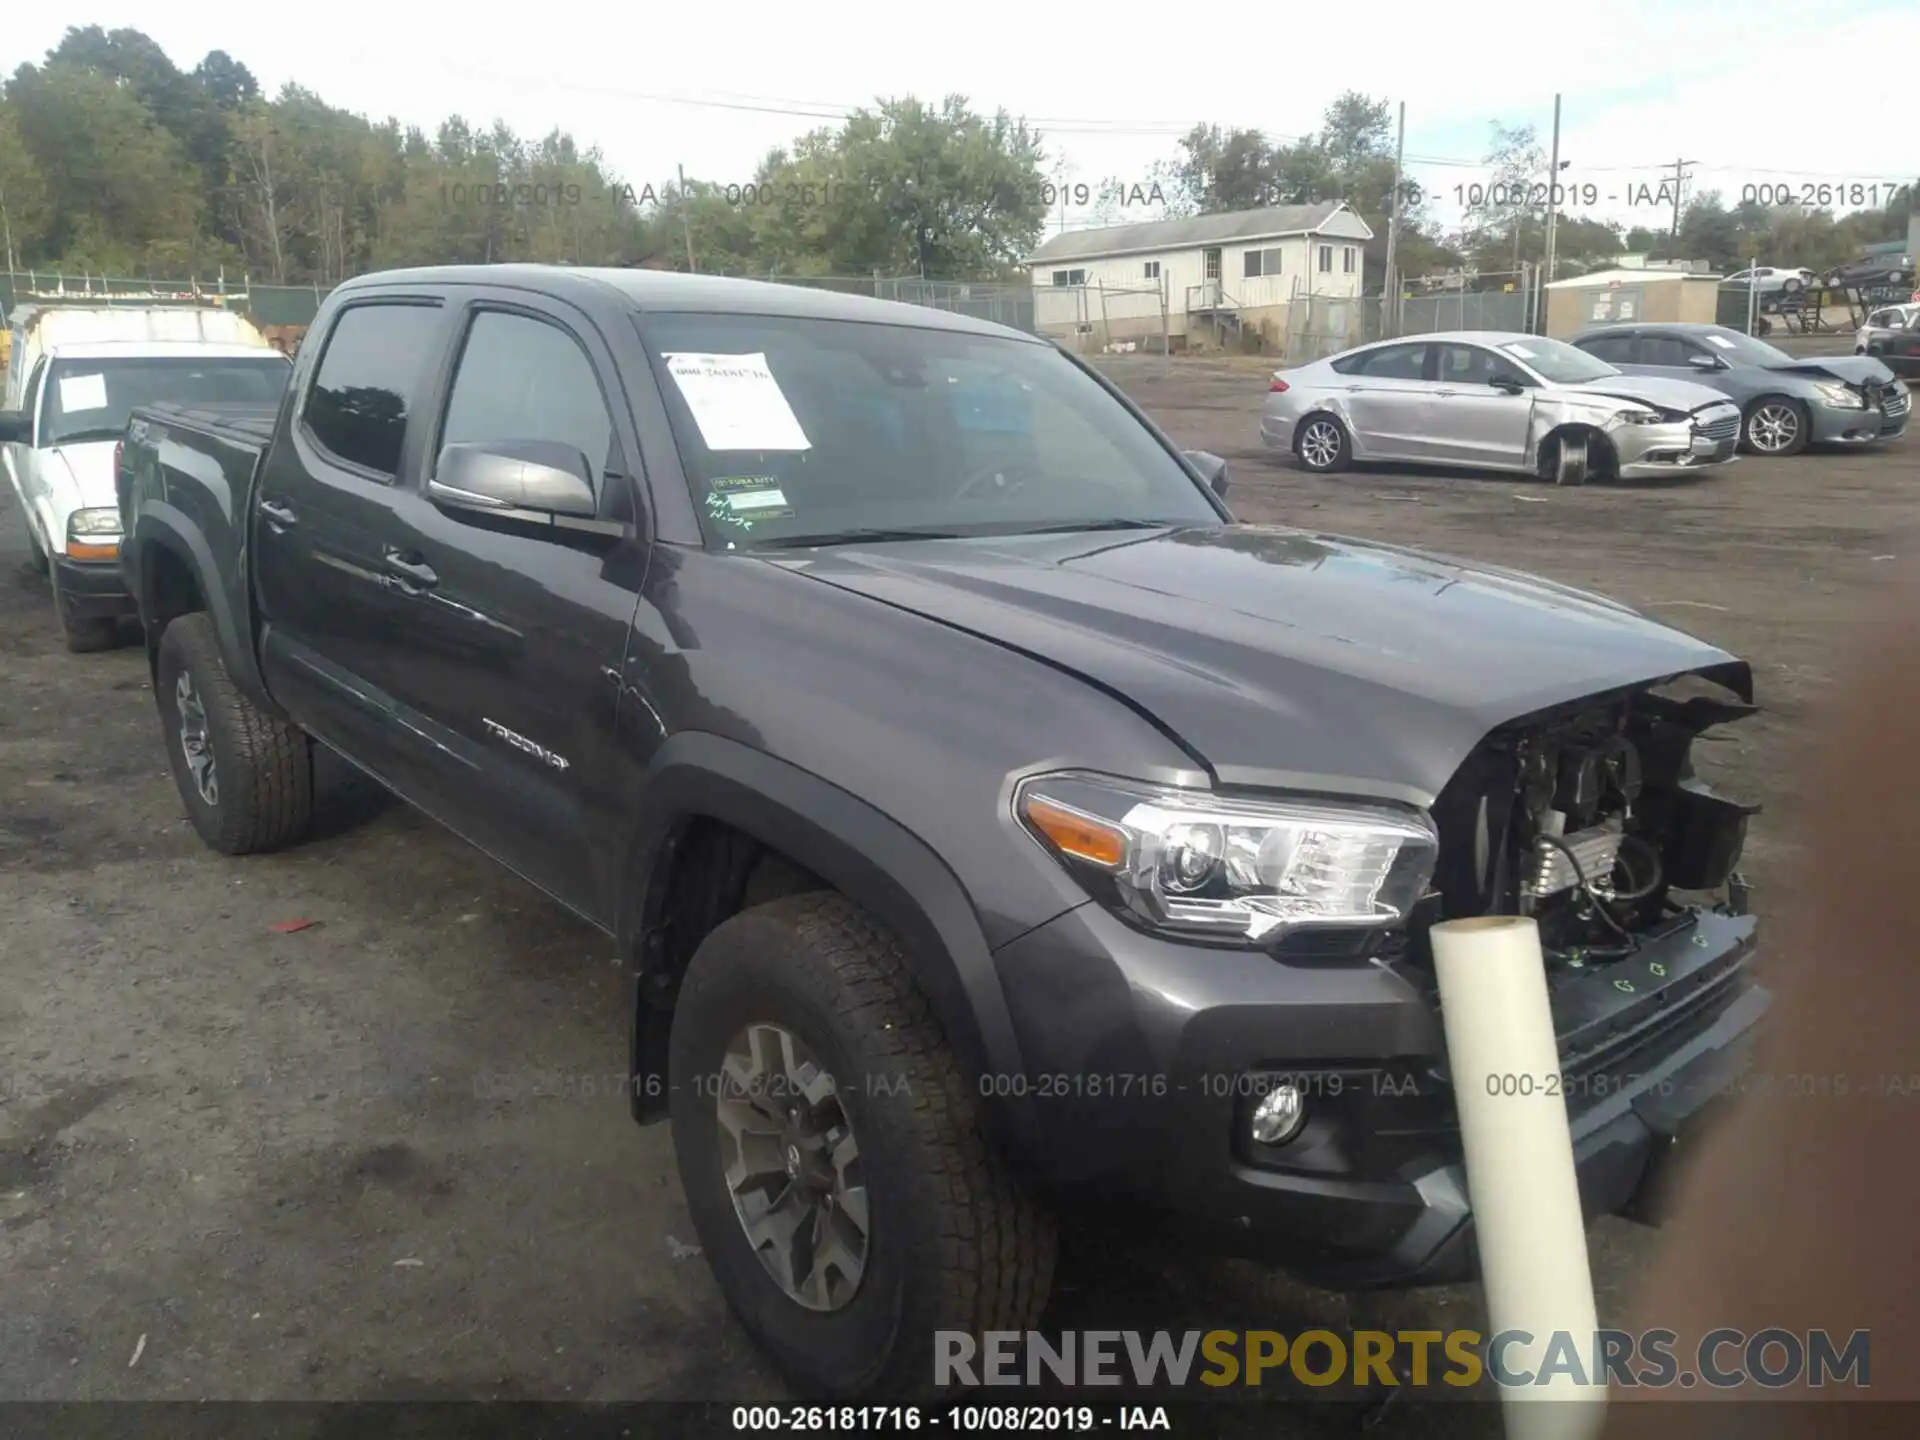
{"points": [[95, 524], [1840, 396], [1192, 861], [1639, 417]]}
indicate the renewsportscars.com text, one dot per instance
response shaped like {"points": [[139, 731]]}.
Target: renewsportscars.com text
{"points": [[1460, 1358]]}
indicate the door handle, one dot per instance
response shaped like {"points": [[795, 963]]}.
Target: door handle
{"points": [[409, 570], [278, 514]]}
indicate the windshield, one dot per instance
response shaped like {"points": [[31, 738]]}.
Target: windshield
{"points": [[1740, 349], [92, 399], [794, 429], [1557, 362]]}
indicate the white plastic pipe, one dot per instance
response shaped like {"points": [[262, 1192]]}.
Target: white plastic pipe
{"points": [[1520, 1173]]}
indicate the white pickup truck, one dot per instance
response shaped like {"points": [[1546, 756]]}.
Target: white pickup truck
{"points": [[75, 374]]}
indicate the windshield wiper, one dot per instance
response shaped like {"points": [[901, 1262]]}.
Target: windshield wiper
{"points": [[868, 534], [1066, 527]]}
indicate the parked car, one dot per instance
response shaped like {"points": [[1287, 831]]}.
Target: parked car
{"points": [[1871, 337], [1872, 270], [1785, 403], [1769, 280], [1898, 347], [992, 826], [1494, 400], [74, 376]]}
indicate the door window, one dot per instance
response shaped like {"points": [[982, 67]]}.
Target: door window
{"points": [[1667, 350], [527, 379], [1614, 349], [1393, 362], [370, 376], [1469, 365]]}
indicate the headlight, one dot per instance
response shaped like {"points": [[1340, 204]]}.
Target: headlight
{"points": [[1191, 861], [1639, 417], [100, 524], [1839, 396]]}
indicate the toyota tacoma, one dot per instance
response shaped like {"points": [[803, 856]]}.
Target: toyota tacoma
{"points": [[993, 828]]}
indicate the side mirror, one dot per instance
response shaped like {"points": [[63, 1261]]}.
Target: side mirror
{"points": [[1506, 384], [1705, 362], [1212, 469], [525, 480], [15, 427]]}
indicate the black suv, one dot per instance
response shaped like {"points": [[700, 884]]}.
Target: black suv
{"points": [[995, 828]]}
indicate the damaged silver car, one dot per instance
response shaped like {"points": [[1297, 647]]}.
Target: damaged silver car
{"points": [[1493, 400]]}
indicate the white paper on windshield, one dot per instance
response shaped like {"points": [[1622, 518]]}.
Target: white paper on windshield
{"points": [[1521, 351], [1722, 341], [736, 402], [83, 392]]}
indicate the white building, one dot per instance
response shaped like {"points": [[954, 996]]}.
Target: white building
{"points": [[1214, 274]]}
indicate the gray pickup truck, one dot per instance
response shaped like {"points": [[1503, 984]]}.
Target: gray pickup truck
{"points": [[995, 830]]}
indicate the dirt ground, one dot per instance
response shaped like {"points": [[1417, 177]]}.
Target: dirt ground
{"points": [[386, 1155]]}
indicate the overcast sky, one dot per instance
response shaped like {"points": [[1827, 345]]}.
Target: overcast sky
{"points": [[1757, 93]]}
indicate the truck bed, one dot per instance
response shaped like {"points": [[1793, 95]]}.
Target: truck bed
{"points": [[238, 422]]}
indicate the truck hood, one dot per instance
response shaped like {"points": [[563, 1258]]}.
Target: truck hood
{"points": [[1684, 395], [1283, 658], [89, 467]]}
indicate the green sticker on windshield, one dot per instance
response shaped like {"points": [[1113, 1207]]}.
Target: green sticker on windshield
{"points": [[741, 500]]}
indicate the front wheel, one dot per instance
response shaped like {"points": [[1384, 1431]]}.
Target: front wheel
{"points": [[833, 1159], [1776, 425], [1571, 460], [84, 636], [1323, 445], [246, 777]]}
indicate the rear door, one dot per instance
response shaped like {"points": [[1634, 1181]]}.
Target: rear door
{"points": [[1386, 393], [505, 657], [324, 512]]}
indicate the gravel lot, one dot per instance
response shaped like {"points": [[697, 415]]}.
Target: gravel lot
{"points": [[386, 1155]]}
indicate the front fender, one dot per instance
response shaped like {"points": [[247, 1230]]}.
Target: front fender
{"points": [[160, 527], [864, 854]]}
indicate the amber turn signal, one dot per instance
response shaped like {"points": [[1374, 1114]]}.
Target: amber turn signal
{"points": [[1079, 836]]}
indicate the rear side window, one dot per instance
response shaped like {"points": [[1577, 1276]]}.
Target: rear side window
{"points": [[1395, 362], [1614, 349], [369, 380]]}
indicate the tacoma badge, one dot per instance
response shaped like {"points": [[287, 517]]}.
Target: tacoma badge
{"points": [[521, 742]]}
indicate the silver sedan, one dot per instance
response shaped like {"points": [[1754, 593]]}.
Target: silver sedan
{"points": [[1493, 400]]}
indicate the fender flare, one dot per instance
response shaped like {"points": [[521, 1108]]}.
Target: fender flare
{"points": [[160, 526], [866, 855]]}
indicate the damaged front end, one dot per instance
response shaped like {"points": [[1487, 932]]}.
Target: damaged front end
{"points": [[1593, 821]]}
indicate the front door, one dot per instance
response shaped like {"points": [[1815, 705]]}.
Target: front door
{"points": [[1468, 420], [324, 510], [506, 666]]}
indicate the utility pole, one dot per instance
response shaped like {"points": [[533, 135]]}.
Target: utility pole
{"points": [[1390, 297], [686, 222], [1553, 197], [1680, 178]]}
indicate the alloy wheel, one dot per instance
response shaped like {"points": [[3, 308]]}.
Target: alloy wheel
{"points": [[196, 742], [1773, 428], [793, 1166], [1320, 445]]}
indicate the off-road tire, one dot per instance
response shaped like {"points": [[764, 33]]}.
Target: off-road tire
{"points": [[1342, 454], [263, 765], [83, 637], [956, 1243]]}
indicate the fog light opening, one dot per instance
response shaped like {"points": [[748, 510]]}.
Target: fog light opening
{"points": [[1279, 1115]]}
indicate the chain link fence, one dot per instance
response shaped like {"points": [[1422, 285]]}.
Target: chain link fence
{"points": [[1484, 300]]}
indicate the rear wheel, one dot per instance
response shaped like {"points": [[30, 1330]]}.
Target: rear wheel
{"points": [[1323, 445], [246, 777], [831, 1151], [1776, 425]]}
